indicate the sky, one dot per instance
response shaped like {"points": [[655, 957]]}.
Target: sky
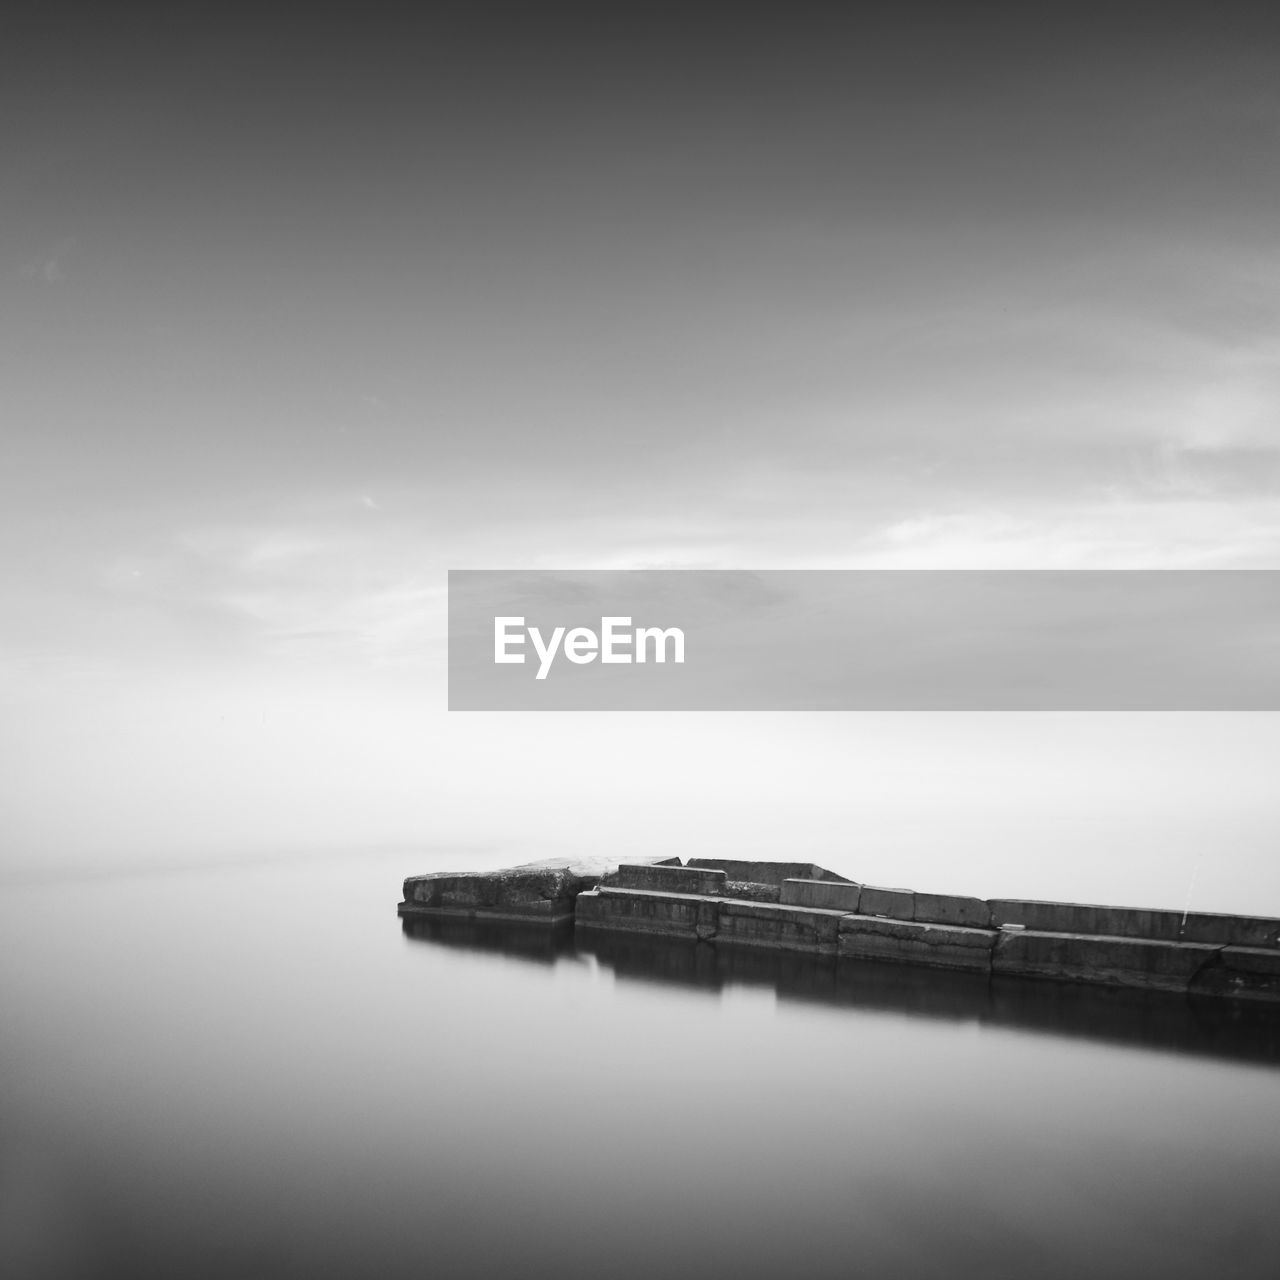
{"points": [[298, 312]]}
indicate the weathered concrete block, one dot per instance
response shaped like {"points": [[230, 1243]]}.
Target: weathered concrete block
{"points": [[764, 872], [833, 895], [1235, 931], [898, 904], [942, 908], [763, 924], [1117, 961], [641, 911], [1070, 917], [542, 893], [1137, 922], [1242, 973], [943, 946], [666, 879]]}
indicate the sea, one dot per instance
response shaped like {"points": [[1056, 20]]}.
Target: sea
{"points": [[256, 1069]]}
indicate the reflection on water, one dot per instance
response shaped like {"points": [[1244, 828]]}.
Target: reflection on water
{"points": [[1149, 1019], [261, 1072]]}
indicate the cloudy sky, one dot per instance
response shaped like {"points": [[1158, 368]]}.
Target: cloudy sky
{"points": [[297, 313]]}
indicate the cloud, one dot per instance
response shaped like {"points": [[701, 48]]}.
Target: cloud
{"points": [[1122, 532]]}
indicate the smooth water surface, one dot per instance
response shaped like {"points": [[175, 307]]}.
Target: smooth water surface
{"points": [[259, 1071]]}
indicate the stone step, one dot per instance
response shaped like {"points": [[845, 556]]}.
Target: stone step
{"points": [[767, 924], [1137, 922], [1113, 960], [943, 946], [666, 879], [679, 915]]}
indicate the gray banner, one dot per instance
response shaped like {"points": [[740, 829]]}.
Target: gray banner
{"points": [[864, 640]]}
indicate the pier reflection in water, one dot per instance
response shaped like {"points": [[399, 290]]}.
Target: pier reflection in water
{"points": [[1155, 1020]]}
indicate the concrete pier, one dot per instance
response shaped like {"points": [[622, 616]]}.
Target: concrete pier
{"points": [[802, 908]]}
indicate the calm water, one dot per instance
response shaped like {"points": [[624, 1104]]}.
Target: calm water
{"points": [[260, 1072]]}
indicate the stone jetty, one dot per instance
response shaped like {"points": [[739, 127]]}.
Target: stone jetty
{"points": [[803, 908]]}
